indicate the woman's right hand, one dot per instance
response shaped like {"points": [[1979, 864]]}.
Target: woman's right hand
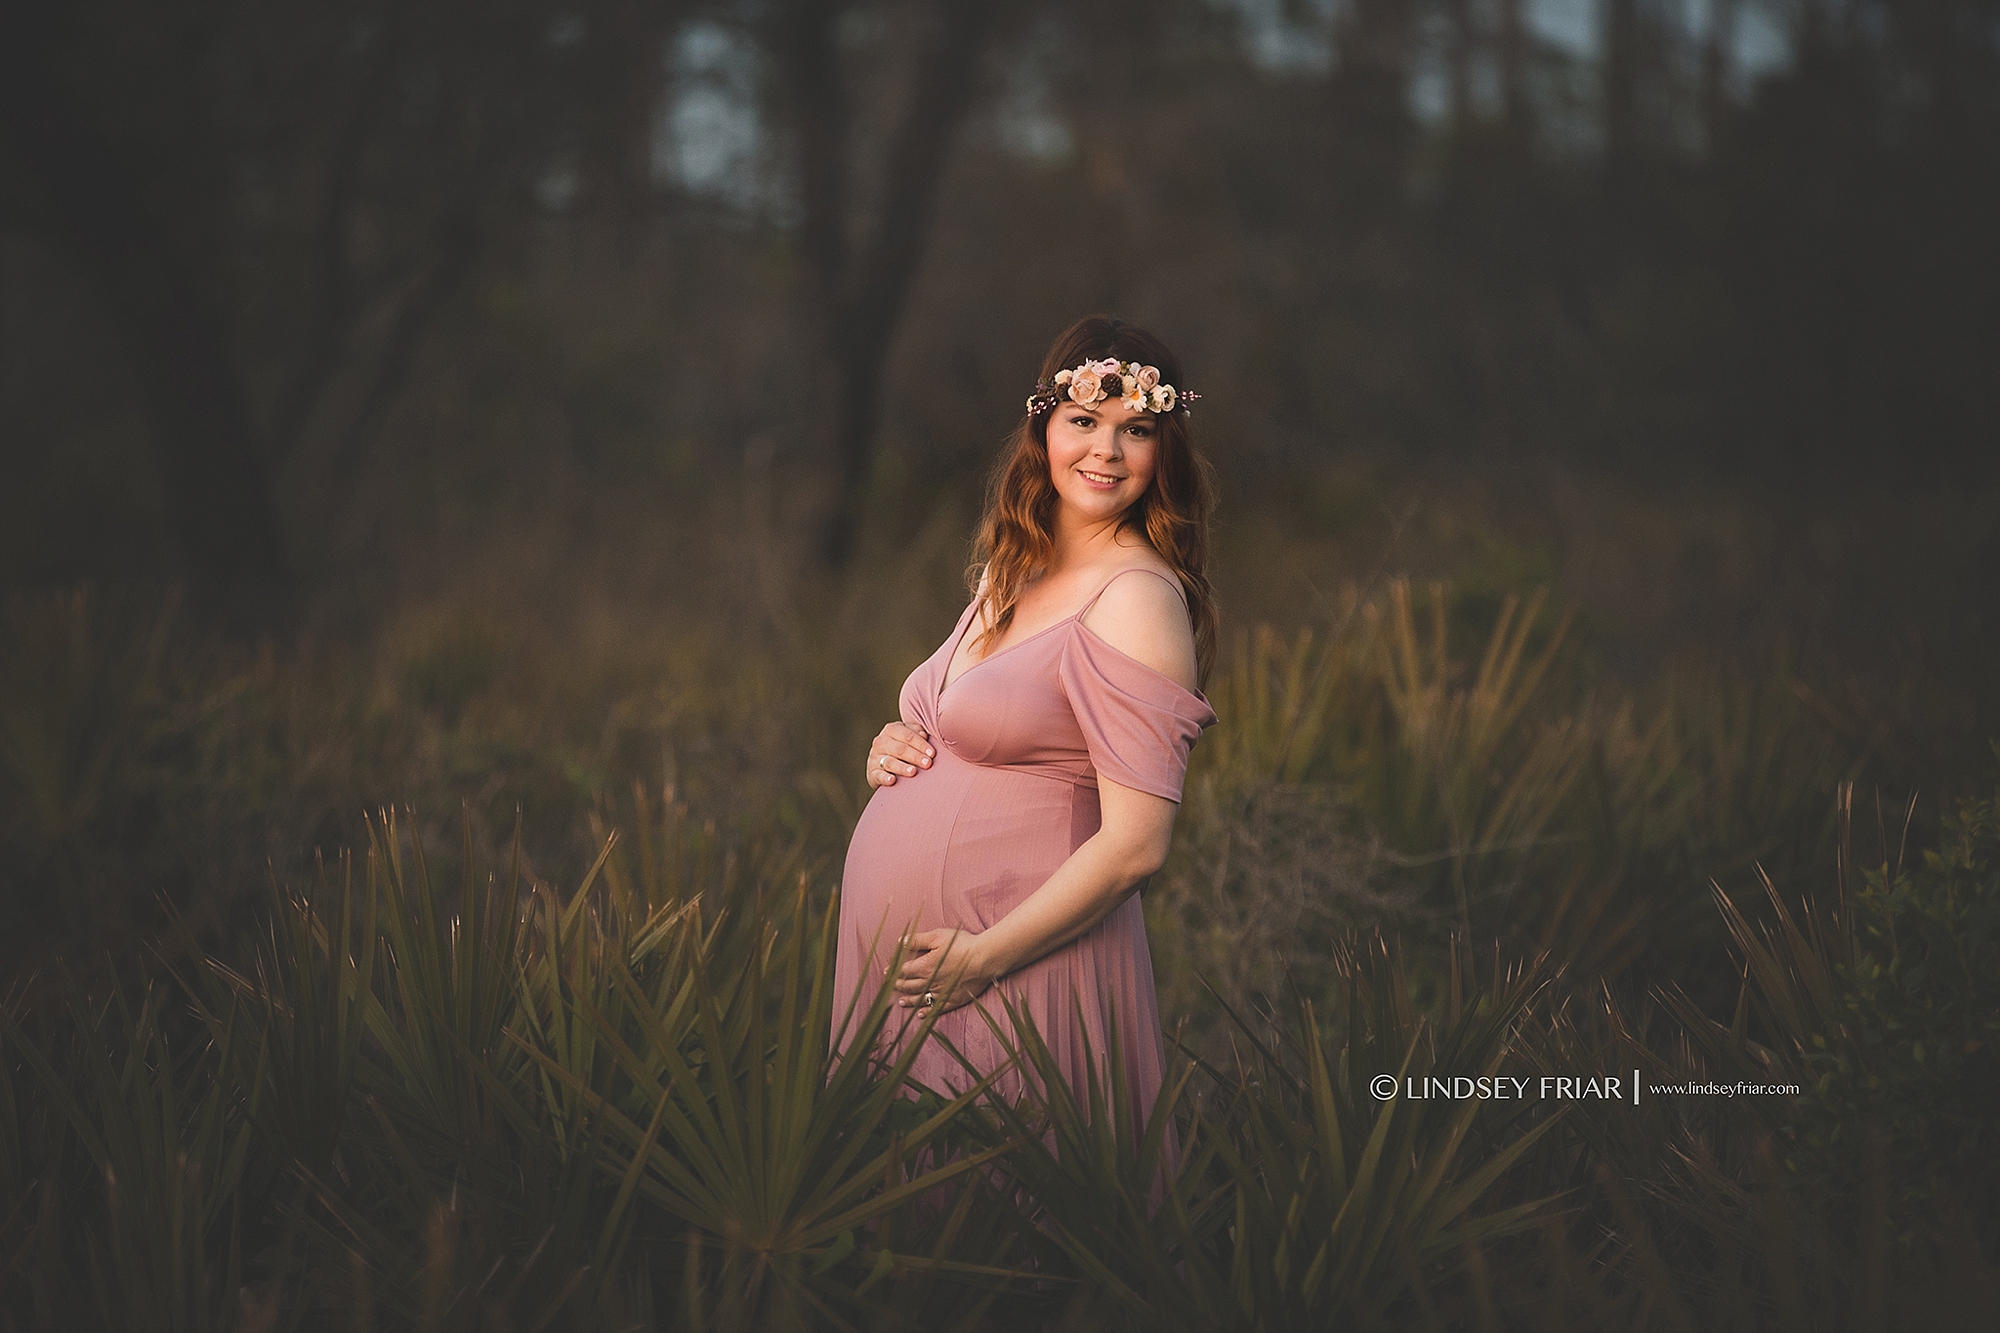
{"points": [[900, 750]]}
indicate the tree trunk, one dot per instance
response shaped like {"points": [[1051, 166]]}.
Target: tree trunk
{"points": [[862, 288], [94, 201], [1459, 62], [880, 286], [1514, 66], [1369, 107], [1621, 84], [1715, 71]]}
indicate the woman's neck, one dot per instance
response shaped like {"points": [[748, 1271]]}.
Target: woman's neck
{"points": [[1080, 541]]}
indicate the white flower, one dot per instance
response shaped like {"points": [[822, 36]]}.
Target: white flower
{"points": [[1139, 387]]}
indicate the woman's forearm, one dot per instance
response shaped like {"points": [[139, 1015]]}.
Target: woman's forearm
{"points": [[956, 965], [1085, 888], [1081, 893]]}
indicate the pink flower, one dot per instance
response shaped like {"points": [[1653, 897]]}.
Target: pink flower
{"points": [[1148, 376], [1063, 376], [1108, 366], [1086, 386], [1163, 397]]}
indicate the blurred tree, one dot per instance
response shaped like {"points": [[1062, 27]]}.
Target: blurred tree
{"points": [[1371, 125], [276, 201], [1717, 64], [1861, 191], [864, 256], [286, 203], [1459, 53], [133, 216], [1513, 65]]}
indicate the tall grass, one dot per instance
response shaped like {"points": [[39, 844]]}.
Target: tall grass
{"points": [[439, 1084], [1373, 775], [640, 1127], [428, 1103]]}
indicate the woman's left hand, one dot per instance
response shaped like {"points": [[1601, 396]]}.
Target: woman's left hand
{"points": [[947, 965]]}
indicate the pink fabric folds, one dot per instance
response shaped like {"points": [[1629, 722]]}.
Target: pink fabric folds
{"points": [[1137, 724]]}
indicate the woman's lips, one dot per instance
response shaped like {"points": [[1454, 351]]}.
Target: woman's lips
{"points": [[1104, 479]]}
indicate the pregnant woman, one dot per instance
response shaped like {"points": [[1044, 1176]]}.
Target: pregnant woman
{"points": [[1030, 787]]}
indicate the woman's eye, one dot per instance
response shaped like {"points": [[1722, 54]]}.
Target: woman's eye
{"points": [[1083, 421]]}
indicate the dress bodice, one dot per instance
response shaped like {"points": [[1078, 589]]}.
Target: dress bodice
{"points": [[1062, 703]]}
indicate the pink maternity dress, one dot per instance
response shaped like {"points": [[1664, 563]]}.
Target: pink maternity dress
{"points": [[1021, 738]]}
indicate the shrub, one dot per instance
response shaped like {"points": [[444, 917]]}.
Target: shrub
{"points": [[1912, 1053]]}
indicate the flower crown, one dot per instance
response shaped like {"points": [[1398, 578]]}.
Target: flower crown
{"points": [[1137, 387]]}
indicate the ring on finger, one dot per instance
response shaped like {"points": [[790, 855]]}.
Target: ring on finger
{"points": [[930, 998]]}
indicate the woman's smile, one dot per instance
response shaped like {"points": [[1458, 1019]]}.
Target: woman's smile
{"points": [[1101, 459]]}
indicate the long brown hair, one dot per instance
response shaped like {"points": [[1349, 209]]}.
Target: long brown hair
{"points": [[1017, 532]]}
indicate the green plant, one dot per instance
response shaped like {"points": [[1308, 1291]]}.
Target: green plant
{"points": [[1344, 1198], [137, 1208], [1909, 1046], [726, 1111], [1115, 1201], [1880, 1003], [81, 699]]}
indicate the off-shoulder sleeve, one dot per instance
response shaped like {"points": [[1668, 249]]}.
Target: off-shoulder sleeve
{"points": [[1139, 724]]}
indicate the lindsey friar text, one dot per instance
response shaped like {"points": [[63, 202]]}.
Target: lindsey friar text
{"points": [[1505, 1087]]}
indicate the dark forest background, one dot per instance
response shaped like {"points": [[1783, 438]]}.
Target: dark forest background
{"points": [[575, 355]]}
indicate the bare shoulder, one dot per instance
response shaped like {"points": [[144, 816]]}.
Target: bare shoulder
{"points": [[1142, 616]]}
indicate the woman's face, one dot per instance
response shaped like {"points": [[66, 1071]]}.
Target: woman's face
{"points": [[1101, 458]]}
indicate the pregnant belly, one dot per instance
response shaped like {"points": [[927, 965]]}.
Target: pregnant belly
{"points": [[958, 845]]}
